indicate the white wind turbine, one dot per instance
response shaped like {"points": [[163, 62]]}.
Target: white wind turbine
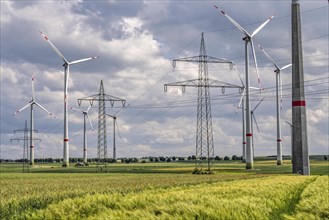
{"points": [[66, 80], [85, 114], [115, 123], [241, 106], [278, 104], [248, 39], [243, 121], [31, 103]]}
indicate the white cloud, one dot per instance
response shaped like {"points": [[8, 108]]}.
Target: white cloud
{"points": [[134, 44]]}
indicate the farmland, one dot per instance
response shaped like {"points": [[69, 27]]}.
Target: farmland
{"points": [[165, 191]]}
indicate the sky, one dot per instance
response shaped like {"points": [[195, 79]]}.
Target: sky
{"points": [[136, 42]]}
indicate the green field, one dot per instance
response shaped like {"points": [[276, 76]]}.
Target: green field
{"points": [[164, 191]]}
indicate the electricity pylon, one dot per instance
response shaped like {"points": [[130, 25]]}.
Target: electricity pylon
{"points": [[204, 135], [25, 139], [102, 98]]}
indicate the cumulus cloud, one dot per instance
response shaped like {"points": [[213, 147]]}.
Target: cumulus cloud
{"points": [[135, 42]]}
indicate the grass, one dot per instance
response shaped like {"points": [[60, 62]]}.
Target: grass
{"points": [[164, 191], [266, 166]]}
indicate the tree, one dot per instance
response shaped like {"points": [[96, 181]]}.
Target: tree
{"points": [[193, 157], [217, 158], [226, 158], [162, 159], [234, 157], [173, 158], [325, 157], [168, 159], [189, 157]]}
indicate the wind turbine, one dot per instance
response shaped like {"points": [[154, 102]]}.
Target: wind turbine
{"points": [[31, 103], [252, 112], [66, 80], [278, 104], [248, 39], [115, 123], [85, 114], [241, 106]]}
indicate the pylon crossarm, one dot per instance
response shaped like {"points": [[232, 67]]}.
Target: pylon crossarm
{"points": [[216, 83], [196, 83], [22, 130], [201, 58], [109, 98], [91, 99], [24, 138]]}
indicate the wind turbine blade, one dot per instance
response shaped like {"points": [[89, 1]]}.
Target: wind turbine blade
{"points": [[76, 109], [112, 116], [33, 93], [91, 125], [285, 67], [261, 26], [268, 57], [116, 123], [289, 123], [25, 106], [119, 112], [255, 88], [43, 108], [253, 116], [83, 60], [257, 105], [88, 108], [241, 98], [233, 22], [255, 61], [240, 78], [54, 48]]}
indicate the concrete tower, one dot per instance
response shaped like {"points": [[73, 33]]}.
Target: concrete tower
{"points": [[300, 160]]}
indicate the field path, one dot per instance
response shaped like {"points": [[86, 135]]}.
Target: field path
{"points": [[291, 201]]}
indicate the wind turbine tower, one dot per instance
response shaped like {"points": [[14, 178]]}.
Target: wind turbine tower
{"points": [[248, 39], [278, 105], [204, 134], [85, 115], [66, 66], [300, 160], [115, 123], [31, 104], [252, 113]]}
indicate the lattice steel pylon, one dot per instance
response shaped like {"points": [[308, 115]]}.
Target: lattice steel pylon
{"points": [[101, 97], [26, 140], [204, 134]]}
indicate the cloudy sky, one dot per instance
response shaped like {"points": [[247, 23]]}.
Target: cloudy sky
{"points": [[136, 42]]}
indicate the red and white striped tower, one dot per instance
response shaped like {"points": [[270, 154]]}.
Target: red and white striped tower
{"points": [[300, 161]]}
